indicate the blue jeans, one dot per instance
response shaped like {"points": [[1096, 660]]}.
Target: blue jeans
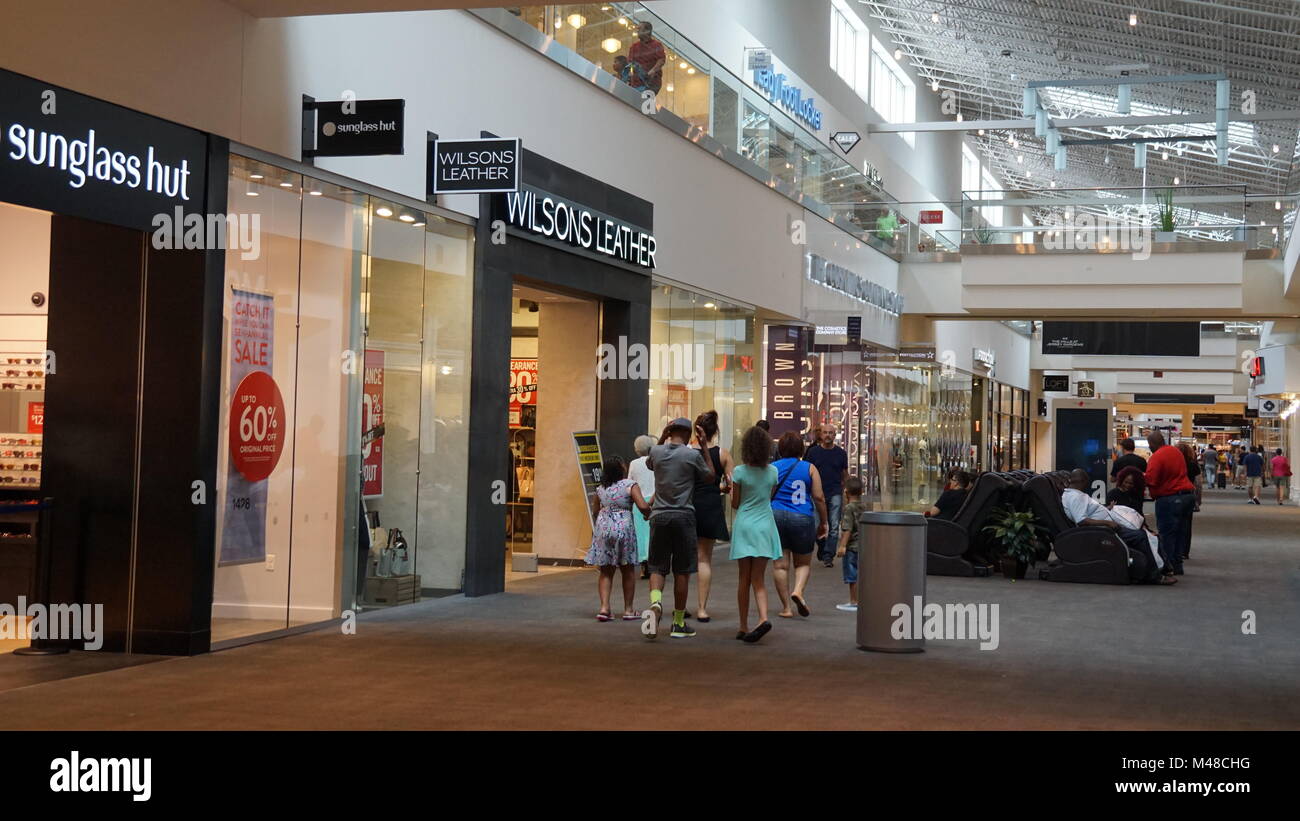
{"points": [[1210, 470], [826, 547], [1174, 521], [849, 566]]}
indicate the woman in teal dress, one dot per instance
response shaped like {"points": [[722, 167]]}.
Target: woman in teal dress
{"points": [[754, 539]]}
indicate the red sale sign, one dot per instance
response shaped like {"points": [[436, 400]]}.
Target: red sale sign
{"points": [[932, 217], [36, 417], [372, 410], [523, 388], [257, 426]]}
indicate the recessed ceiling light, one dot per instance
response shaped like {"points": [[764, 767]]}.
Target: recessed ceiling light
{"points": [[1133, 19], [690, 70], [1176, 180], [669, 87], [611, 45], [384, 211], [898, 54], [1276, 148], [286, 184], [315, 193], [682, 64], [1277, 205], [255, 176], [406, 218], [981, 132]]}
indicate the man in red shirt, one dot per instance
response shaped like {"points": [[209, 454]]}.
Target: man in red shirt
{"points": [[648, 53], [1175, 496]]}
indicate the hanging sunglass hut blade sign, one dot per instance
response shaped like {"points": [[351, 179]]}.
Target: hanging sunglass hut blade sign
{"points": [[356, 128]]}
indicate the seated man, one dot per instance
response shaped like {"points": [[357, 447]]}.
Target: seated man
{"points": [[954, 493], [1082, 509]]}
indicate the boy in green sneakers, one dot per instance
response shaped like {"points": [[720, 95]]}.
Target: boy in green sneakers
{"points": [[677, 468], [848, 549]]}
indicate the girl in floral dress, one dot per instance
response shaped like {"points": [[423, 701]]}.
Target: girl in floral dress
{"points": [[613, 544]]}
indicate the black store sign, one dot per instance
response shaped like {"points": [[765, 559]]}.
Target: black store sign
{"points": [[1053, 382], [486, 166], [1122, 338], [563, 220], [72, 154], [366, 128]]}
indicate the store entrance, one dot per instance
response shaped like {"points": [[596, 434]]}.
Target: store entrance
{"points": [[25, 235], [554, 393]]}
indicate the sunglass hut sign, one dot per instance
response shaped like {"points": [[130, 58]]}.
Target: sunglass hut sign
{"points": [[774, 85], [72, 154]]}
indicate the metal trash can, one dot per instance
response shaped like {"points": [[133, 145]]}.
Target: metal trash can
{"points": [[891, 572]]}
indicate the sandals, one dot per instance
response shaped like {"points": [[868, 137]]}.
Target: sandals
{"points": [[799, 605], [603, 616], [631, 617]]}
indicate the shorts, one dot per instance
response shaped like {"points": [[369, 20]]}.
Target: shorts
{"points": [[798, 532], [1284, 483], [849, 565], [1254, 481], [672, 543]]}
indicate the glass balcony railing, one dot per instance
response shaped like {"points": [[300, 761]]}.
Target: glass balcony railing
{"points": [[1104, 218], [714, 108]]}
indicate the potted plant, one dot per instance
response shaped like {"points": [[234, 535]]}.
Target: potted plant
{"points": [[1165, 217], [983, 235], [1015, 532]]}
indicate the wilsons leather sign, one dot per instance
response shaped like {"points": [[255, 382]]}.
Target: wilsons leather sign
{"points": [[577, 225]]}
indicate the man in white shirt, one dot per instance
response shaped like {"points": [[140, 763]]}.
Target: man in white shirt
{"points": [[1082, 509]]}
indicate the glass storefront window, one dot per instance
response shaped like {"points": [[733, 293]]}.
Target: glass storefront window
{"points": [[355, 310], [718, 339]]}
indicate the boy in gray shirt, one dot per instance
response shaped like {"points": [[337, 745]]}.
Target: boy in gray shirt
{"points": [[677, 467]]}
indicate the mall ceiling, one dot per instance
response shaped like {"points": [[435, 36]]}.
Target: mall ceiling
{"points": [[986, 50]]}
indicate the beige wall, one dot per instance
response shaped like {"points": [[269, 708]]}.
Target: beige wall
{"points": [[566, 402], [177, 59]]}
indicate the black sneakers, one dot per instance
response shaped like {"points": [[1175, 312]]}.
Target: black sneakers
{"points": [[683, 631]]}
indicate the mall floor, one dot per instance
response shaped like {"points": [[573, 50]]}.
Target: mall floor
{"points": [[1071, 656]]}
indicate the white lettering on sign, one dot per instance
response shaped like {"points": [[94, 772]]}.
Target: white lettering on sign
{"points": [[845, 281], [83, 159], [573, 224]]}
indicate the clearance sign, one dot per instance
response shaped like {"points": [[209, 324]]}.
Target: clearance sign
{"points": [[586, 445]]}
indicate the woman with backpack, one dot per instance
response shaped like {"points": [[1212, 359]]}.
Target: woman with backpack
{"points": [[799, 507]]}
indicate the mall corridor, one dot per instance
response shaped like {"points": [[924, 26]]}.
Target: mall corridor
{"points": [[1070, 656]]}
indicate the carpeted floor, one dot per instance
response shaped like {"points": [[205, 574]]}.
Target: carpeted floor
{"points": [[1070, 656]]}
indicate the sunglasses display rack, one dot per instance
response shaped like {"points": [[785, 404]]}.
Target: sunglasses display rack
{"points": [[20, 460], [22, 372]]}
